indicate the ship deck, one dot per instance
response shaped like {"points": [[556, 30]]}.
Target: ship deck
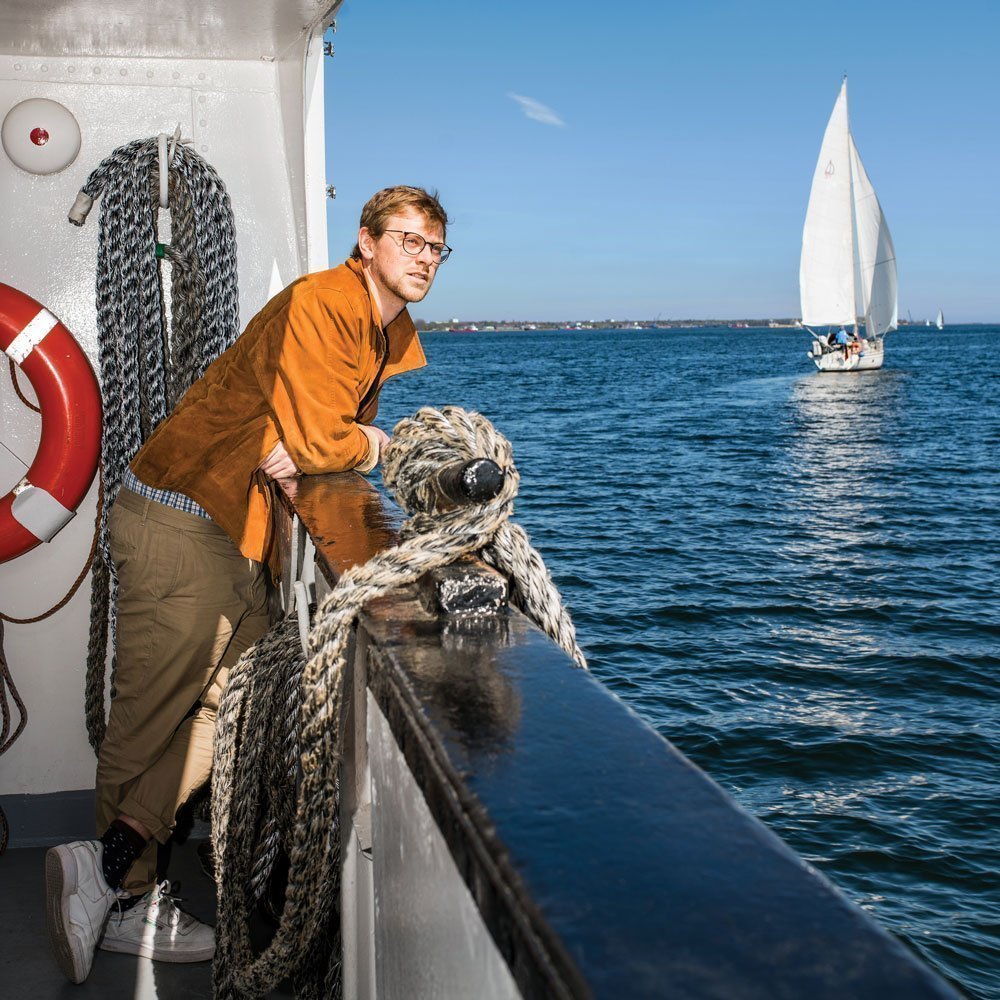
{"points": [[28, 970]]}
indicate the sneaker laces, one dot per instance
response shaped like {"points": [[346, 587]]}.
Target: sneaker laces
{"points": [[171, 890], [164, 897], [121, 896]]}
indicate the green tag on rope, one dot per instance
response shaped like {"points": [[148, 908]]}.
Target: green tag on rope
{"points": [[161, 250]]}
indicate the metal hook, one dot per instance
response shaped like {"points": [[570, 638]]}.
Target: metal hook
{"points": [[173, 144], [164, 165], [165, 157]]}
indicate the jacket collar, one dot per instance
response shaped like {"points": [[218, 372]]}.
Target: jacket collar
{"points": [[405, 350]]}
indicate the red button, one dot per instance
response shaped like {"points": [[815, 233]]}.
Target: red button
{"points": [[39, 136]]}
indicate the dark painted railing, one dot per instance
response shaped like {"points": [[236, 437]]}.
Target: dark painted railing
{"points": [[602, 862]]}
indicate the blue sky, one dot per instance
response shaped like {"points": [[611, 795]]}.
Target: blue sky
{"points": [[674, 177]]}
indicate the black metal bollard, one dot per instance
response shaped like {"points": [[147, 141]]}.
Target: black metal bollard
{"points": [[473, 481]]}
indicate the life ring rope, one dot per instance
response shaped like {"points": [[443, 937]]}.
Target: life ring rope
{"points": [[18, 390], [75, 586]]}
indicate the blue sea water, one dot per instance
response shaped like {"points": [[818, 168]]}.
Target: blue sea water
{"points": [[791, 576]]}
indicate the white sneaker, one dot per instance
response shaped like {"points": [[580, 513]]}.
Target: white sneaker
{"points": [[77, 903], [157, 928]]}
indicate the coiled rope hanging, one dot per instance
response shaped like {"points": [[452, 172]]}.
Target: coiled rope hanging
{"points": [[147, 363], [278, 721]]}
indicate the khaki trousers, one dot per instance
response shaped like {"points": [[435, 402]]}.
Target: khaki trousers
{"points": [[188, 606]]}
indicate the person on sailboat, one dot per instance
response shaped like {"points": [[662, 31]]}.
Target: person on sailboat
{"points": [[842, 340], [190, 534]]}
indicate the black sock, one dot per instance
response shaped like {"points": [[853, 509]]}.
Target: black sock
{"points": [[122, 845]]}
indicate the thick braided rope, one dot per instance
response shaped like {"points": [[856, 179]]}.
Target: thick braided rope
{"points": [[420, 447], [187, 292], [253, 795], [146, 362], [408, 472]]}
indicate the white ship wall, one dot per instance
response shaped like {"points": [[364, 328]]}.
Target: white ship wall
{"points": [[259, 122]]}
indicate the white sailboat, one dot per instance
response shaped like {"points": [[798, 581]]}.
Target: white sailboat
{"points": [[847, 273], [939, 322]]}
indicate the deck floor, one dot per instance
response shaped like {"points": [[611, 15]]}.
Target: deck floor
{"points": [[28, 971]]}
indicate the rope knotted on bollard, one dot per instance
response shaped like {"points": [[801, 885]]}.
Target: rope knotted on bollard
{"points": [[262, 745]]}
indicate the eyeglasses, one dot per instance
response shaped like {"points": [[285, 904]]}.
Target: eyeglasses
{"points": [[414, 243]]}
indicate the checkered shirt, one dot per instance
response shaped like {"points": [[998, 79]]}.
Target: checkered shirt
{"points": [[168, 497]]}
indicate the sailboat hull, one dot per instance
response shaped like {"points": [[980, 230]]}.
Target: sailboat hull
{"points": [[869, 359]]}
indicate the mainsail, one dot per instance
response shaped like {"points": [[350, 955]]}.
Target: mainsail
{"points": [[940, 320], [847, 273]]}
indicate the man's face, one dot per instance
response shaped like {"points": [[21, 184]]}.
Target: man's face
{"points": [[407, 277]]}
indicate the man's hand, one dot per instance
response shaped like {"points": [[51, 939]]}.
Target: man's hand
{"points": [[279, 464], [383, 438], [377, 440]]}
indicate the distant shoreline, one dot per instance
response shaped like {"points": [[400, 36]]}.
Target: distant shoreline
{"points": [[740, 326]]}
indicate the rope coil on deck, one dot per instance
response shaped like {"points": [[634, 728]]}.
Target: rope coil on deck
{"points": [[262, 746]]}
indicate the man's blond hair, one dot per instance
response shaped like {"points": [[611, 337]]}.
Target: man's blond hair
{"points": [[391, 201]]}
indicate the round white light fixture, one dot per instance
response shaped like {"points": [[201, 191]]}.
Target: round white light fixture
{"points": [[40, 136]]}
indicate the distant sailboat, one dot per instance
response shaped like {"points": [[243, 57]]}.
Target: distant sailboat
{"points": [[939, 322], [847, 273]]}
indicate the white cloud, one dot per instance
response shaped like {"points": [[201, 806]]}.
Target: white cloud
{"points": [[537, 111]]}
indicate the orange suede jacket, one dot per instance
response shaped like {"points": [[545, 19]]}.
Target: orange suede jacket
{"points": [[298, 374]]}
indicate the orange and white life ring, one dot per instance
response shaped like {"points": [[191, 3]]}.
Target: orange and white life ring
{"points": [[70, 400]]}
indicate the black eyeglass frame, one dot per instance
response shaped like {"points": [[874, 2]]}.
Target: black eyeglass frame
{"points": [[442, 249]]}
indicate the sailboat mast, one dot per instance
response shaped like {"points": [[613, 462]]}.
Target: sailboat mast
{"points": [[857, 281]]}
